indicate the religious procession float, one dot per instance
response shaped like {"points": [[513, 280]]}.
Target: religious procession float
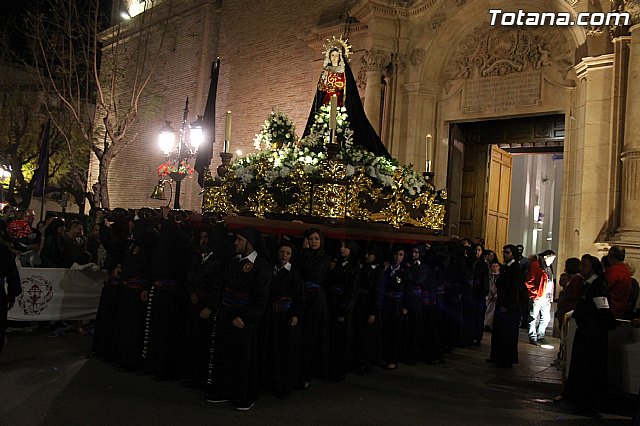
{"points": [[337, 173]]}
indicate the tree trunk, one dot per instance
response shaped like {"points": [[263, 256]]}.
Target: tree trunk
{"points": [[103, 178]]}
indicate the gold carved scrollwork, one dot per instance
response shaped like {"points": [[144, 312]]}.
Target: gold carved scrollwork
{"points": [[330, 195], [361, 186], [217, 198], [329, 200], [296, 189], [262, 202], [395, 212]]}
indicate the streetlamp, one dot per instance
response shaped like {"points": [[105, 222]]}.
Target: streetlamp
{"points": [[178, 154]]}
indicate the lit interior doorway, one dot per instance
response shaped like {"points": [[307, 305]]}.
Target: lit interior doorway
{"points": [[505, 181]]}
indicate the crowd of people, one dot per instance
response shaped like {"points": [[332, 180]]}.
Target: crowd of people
{"points": [[236, 312]]}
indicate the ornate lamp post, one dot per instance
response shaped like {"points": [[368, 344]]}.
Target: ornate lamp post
{"points": [[178, 154]]}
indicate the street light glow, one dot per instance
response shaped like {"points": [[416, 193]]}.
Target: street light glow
{"points": [[167, 138]]}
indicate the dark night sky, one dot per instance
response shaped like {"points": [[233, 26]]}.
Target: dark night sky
{"points": [[12, 15]]}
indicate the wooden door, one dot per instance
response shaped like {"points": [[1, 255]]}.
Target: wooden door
{"points": [[474, 188], [498, 199]]}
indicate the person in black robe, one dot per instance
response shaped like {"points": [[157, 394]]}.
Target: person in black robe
{"points": [[204, 299], [586, 385], [344, 279], [455, 281], [474, 305], [432, 349], [245, 294], [367, 313], [416, 273], [133, 296], [283, 338], [9, 275], [394, 312], [506, 320], [113, 237], [314, 267], [337, 79], [169, 264]]}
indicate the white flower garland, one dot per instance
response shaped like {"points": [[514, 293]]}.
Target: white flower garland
{"points": [[276, 145]]}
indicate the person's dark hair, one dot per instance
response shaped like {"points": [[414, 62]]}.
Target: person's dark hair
{"points": [[618, 253], [312, 231], [74, 223], [547, 253], [596, 266], [420, 248], [353, 247], [286, 244], [53, 226], [514, 251], [375, 250], [572, 265]]}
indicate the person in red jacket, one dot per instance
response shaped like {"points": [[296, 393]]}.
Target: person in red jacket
{"points": [[618, 280], [539, 283]]}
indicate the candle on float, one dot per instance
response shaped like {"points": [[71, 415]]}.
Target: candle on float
{"points": [[429, 154], [333, 112], [227, 130]]}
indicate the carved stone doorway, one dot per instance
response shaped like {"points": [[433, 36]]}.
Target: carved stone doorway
{"points": [[481, 194]]}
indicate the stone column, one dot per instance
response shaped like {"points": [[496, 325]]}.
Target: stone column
{"points": [[373, 61], [589, 153], [630, 157]]}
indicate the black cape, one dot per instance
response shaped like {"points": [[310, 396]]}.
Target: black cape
{"points": [[363, 133]]}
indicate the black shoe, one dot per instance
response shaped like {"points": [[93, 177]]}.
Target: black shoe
{"points": [[215, 399], [244, 405], [504, 365], [534, 342], [437, 361], [542, 341], [492, 361]]}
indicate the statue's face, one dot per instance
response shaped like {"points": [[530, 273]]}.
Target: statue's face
{"points": [[334, 56]]}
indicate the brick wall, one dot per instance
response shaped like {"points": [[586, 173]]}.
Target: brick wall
{"points": [[266, 63]]}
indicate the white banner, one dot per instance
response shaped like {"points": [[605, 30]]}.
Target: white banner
{"points": [[52, 294]]}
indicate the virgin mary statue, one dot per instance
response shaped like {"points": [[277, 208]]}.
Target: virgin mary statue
{"points": [[337, 79]]}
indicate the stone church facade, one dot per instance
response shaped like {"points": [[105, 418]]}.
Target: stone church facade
{"points": [[422, 67]]}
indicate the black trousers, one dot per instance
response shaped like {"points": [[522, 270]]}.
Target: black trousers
{"points": [[504, 337], [393, 324], [315, 335], [235, 362], [197, 345], [131, 312], [104, 335]]}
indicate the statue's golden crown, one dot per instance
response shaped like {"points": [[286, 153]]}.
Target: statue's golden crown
{"points": [[339, 43]]}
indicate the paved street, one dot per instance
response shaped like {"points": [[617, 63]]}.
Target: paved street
{"points": [[49, 381]]}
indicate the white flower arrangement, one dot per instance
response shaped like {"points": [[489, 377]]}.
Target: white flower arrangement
{"points": [[278, 155], [319, 132], [277, 130]]}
